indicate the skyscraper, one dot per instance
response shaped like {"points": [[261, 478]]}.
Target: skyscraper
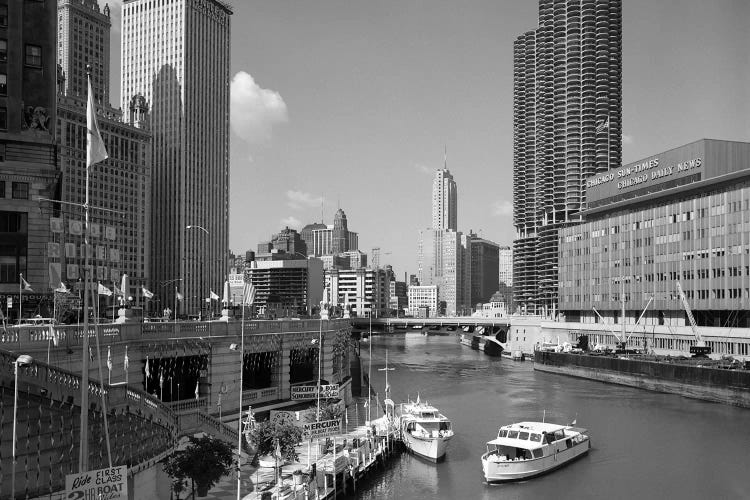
{"points": [[444, 201], [485, 264], [83, 38], [567, 101], [119, 234], [177, 55]]}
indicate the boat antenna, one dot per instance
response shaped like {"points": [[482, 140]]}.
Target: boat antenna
{"points": [[544, 415]]}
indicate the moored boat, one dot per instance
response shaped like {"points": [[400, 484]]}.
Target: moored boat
{"points": [[424, 430], [528, 449]]}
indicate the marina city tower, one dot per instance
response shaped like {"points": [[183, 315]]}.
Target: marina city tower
{"points": [[176, 53], [567, 101]]}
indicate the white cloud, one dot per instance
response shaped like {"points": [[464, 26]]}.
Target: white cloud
{"points": [[292, 222], [255, 110], [424, 169], [627, 139], [502, 208], [298, 200]]}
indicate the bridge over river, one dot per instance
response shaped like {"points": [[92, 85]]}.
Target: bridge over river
{"points": [[495, 326]]}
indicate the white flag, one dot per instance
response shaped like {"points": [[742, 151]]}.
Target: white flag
{"points": [[25, 285], [603, 125], [213, 296], [103, 290], [95, 150], [148, 372], [196, 389], [146, 293], [109, 359], [126, 361], [62, 288]]}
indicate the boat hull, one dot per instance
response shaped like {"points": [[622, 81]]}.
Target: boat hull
{"points": [[432, 449], [503, 472]]}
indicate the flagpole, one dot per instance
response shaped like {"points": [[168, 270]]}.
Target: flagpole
{"points": [[20, 297], [105, 391], [83, 457], [242, 369]]}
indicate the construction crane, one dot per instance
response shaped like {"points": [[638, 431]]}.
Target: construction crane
{"points": [[700, 349]]}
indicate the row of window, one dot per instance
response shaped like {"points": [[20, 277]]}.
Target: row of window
{"points": [[19, 190], [32, 54]]}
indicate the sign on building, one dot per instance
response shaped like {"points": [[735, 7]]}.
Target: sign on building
{"points": [[321, 429], [311, 391], [109, 483]]}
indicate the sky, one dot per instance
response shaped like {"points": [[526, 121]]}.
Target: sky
{"points": [[353, 104]]}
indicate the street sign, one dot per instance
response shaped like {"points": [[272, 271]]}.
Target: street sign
{"points": [[311, 391], [321, 429], [110, 483]]}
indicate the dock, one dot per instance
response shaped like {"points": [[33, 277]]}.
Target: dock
{"points": [[328, 467]]}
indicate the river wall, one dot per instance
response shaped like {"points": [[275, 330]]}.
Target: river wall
{"points": [[730, 387]]}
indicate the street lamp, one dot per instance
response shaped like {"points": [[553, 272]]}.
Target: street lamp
{"points": [[22, 360], [195, 226]]}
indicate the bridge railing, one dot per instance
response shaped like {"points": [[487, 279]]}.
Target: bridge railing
{"points": [[36, 338]]}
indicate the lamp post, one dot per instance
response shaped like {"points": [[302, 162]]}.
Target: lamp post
{"points": [[22, 360], [200, 295]]}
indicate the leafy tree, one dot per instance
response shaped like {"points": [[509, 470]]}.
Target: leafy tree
{"points": [[204, 461], [266, 433], [331, 411]]}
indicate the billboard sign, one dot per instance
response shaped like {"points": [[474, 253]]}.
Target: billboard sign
{"points": [[311, 391], [321, 429], [110, 484]]}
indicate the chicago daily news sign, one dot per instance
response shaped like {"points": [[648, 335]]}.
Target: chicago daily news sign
{"points": [[311, 391], [105, 484]]}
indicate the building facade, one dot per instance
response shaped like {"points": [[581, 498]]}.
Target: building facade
{"points": [[331, 239], [567, 100], [177, 56], [28, 154], [291, 287], [485, 268], [444, 201], [83, 35], [363, 292], [505, 265], [423, 301], [444, 260], [120, 187], [682, 216]]}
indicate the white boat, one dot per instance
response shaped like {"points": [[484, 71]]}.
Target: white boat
{"points": [[424, 430], [528, 449]]}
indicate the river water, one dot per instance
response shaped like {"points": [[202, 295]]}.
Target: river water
{"points": [[644, 444]]}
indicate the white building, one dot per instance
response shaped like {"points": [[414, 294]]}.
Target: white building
{"points": [[506, 265], [444, 201], [445, 260], [362, 291], [176, 55], [421, 298]]}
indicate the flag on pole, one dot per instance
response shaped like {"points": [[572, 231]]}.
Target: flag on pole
{"points": [[62, 288], [196, 389], [278, 450], [25, 285], [115, 290], [91, 354], [103, 290], [249, 294], [95, 150], [213, 296], [109, 359], [161, 378], [603, 125], [148, 372], [146, 293], [180, 296], [126, 361]]}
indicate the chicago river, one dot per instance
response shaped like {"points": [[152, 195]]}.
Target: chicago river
{"points": [[644, 444]]}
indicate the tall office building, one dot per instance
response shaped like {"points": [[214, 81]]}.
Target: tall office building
{"points": [[119, 235], [444, 201], [83, 31], [28, 154], [177, 55], [567, 101], [485, 264], [505, 266]]}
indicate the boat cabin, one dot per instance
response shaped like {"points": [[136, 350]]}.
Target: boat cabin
{"points": [[530, 440]]}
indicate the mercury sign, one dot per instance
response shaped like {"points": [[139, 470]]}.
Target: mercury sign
{"points": [[311, 391], [104, 484], [321, 429]]}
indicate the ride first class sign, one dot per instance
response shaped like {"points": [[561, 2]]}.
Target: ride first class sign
{"points": [[102, 484]]}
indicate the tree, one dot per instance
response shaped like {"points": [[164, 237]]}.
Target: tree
{"points": [[265, 434], [204, 461]]}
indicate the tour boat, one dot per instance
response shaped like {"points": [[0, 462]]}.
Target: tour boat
{"points": [[529, 449], [424, 430]]}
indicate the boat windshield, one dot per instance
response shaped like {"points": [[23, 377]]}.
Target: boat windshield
{"points": [[524, 435], [502, 453]]}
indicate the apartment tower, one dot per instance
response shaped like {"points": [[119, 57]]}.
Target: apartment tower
{"points": [[176, 54], [567, 106]]}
